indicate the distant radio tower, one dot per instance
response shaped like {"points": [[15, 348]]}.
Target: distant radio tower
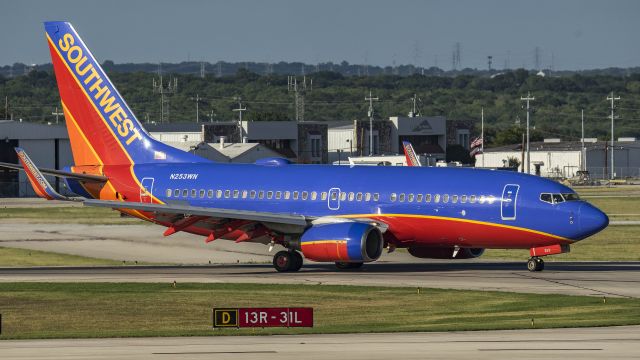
{"points": [[159, 88], [489, 60], [202, 72], [455, 57], [536, 57], [219, 72], [299, 91]]}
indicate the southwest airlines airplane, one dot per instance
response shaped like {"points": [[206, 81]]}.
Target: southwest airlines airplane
{"points": [[341, 214]]}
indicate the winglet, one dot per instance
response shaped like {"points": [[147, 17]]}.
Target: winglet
{"points": [[410, 154], [40, 184]]}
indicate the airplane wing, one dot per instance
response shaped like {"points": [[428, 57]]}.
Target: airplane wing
{"points": [[229, 224], [410, 154]]}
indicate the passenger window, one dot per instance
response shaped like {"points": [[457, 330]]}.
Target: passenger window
{"points": [[454, 199], [227, 194], [261, 194], [419, 198], [201, 194], [401, 197], [445, 198], [472, 199], [236, 193], [176, 192], [323, 196], [295, 195], [210, 194], [410, 197], [367, 197], [193, 193], [491, 199], [244, 194], [359, 196], [185, 192], [376, 197], [314, 195], [482, 199], [351, 196], [287, 195], [218, 194], [278, 195], [168, 192], [436, 198], [334, 196], [343, 196], [269, 194], [427, 197], [305, 195], [463, 199], [394, 197], [252, 194]]}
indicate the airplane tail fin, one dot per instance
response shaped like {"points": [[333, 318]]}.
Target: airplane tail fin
{"points": [[410, 154], [102, 128]]}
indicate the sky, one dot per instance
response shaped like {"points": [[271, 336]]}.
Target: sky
{"points": [[570, 34]]}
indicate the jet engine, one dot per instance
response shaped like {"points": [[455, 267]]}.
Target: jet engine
{"points": [[445, 252], [351, 242]]}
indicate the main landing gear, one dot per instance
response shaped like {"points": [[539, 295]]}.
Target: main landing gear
{"points": [[287, 261], [535, 264]]}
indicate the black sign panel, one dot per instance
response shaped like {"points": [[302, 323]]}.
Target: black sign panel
{"points": [[225, 318]]}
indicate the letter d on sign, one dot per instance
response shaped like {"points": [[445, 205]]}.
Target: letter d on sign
{"points": [[225, 318]]}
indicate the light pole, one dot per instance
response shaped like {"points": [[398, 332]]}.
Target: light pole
{"points": [[528, 99], [370, 99], [612, 99]]}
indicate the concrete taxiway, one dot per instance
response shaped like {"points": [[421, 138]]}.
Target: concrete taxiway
{"points": [[591, 279], [587, 343]]}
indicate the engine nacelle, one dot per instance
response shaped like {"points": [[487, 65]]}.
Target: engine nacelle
{"points": [[342, 242], [445, 252]]}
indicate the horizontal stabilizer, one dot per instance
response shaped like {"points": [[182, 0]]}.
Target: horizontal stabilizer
{"points": [[59, 173], [40, 184]]}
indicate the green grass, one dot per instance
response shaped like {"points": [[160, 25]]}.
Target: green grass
{"points": [[615, 243], [12, 257], [59, 310], [72, 215]]}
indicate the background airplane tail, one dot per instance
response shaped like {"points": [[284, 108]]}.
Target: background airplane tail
{"points": [[102, 128]]}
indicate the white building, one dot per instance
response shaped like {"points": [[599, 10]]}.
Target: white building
{"points": [[561, 159]]}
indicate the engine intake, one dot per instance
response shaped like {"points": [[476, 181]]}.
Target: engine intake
{"points": [[343, 242], [445, 252]]}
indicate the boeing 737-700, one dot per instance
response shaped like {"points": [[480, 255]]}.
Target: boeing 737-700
{"points": [[342, 214]]}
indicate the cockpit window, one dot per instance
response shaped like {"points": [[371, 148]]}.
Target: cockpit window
{"points": [[558, 198], [571, 197]]}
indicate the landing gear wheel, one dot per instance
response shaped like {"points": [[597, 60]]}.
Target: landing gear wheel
{"points": [[296, 263], [535, 264], [282, 261], [348, 265]]}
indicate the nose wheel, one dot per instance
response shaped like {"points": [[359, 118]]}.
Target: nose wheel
{"points": [[535, 264], [287, 261]]}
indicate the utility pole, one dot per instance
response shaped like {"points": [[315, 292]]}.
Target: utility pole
{"points": [[240, 109], [197, 100], [612, 99], [414, 100], [171, 88], [582, 152], [299, 94], [489, 61], [482, 134], [56, 113], [528, 99], [370, 99], [6, 108]]}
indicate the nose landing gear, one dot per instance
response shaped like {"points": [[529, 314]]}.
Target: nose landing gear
{"points": [[535, 264]]}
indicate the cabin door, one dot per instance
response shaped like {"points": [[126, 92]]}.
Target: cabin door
{"points": [[509, 201], [146, 191]]}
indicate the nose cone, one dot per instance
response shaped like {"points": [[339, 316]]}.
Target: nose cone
{"points": [[592, 220]]}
